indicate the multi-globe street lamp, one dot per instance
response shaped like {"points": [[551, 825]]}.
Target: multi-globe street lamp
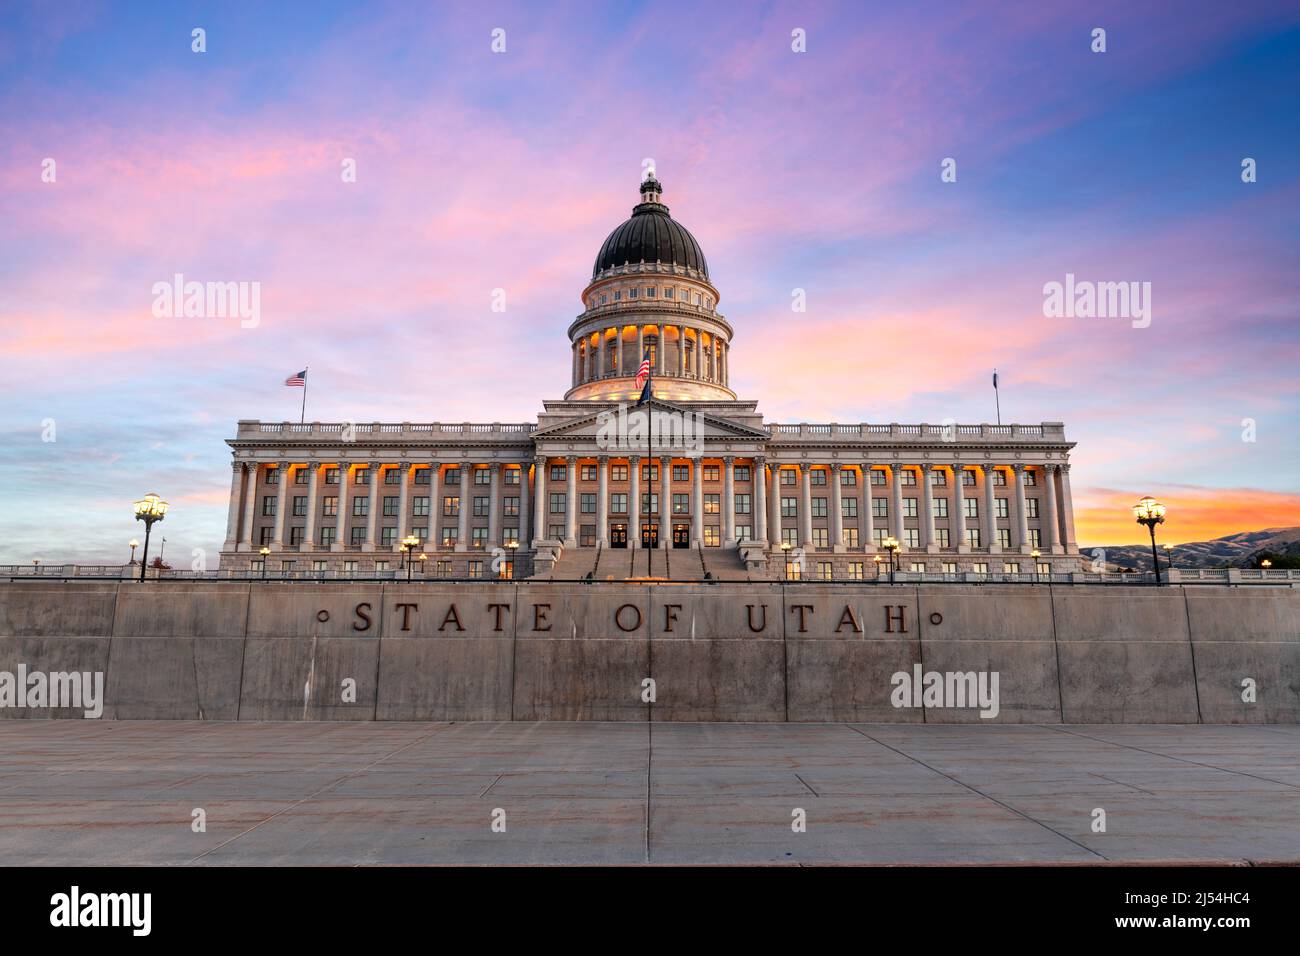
{"points": [[1266, 564], [1150, 512], [149, 509], [409, 544], [890, 544]]}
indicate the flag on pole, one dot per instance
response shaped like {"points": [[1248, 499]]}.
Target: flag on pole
{"points": [[995, 378], [298, 379], [643, 380]]}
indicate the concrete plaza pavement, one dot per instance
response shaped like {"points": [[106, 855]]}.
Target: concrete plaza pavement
{"points": [[84, 792]]}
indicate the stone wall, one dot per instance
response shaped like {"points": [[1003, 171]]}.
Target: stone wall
{"points": [[748, 652]]}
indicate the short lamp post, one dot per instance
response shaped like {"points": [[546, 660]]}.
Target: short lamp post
{"points": [[149, 509], [512, 547], [1169, 557], [409, 544], [785, 560], [1150, 512], [265, 552], [134, 544], [890, 544], [1034, 554], [877, 560], [1266, 564]]}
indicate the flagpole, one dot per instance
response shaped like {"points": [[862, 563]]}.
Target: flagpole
{"points": [[996, 398], [302, 417]]}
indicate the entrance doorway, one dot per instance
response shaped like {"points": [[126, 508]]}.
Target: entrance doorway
{"points": [[649, 536], [681, 536], [618, 536]]}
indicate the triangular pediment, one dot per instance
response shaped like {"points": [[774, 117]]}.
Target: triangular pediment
{"points": [[668, 418]]}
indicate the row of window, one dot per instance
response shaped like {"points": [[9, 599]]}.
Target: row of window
{"points": [[393, 476], [856, 570], [440, 568], [651, 292]]}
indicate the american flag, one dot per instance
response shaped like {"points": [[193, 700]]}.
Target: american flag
{"points": [[298, 379], [643, 372]]}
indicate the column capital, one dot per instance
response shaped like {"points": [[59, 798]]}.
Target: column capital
{"points": [[1018, 467], [666, 461], [634, 460], [237, 465], [987, 467], [835, 466], [1065, 467], [1049, 466], [926, 467], [494, 467], [571, 460], [602, 459], [729, 459]]}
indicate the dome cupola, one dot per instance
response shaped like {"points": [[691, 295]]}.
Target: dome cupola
{"points": [[651, 235]]}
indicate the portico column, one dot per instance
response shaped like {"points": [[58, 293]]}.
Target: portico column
{"points": [[699, 356], [574, 370], [376, 477], [250, 506], [805, 506], [541, 502], [1050, 521], [403, 506], [957, 521], [697, 502], [640, 345], [928, 536], [570, 505], [662, 335], [729, 502], [759, 473], [990, 521], [313, 502], [868, 520], [896, 477], [283, 477], [1022, 519], [232, 512], [774, 502], [466, 505], [435, 506], [602, 501], [837, 509], [681, 351], [1067, 511], [494, 505], [634, 501], [665, 502], [600, 354]]}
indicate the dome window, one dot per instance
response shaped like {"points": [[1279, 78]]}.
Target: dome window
{"points": [[650, 292]]}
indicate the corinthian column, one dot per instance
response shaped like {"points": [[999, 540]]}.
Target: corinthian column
{"points": [[697, 502], [1050, 522], [896, 477], [232, 513], [758, 472], [729, 502], [665, 503], [805, 507], [281, 500], [541, 501], [927, 503], [990, 529], [837, 509], [570, 504], [957, 521], [250, 508], [1022, 519], [602, 501], [634, 501]]}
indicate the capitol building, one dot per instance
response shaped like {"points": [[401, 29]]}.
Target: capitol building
{"points": [[703, 488]]}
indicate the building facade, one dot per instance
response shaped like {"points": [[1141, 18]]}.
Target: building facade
{"points": [[695, 470]]}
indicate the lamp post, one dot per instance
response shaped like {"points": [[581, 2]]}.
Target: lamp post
{"points": [[149, 509], [513, 548], [409, 544], [1150, 512], [785, 560], [1034, 554], [877, 559], [1169, 557], [1266, 564], [134, 544], [890, 544], [265, 552]]}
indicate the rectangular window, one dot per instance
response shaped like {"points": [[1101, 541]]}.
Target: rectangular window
{"points": [[818, 476], [789, 507], [557, 502], [912, 537], [327, 535], [909, 507], [390, 506], [967, 478], [848, 477], [1031, 477], [878, 536], [999, 477], [451, 476], [392, 476], [788, 476], [1010, 567], [475, 569], [1031, 507], [821, 538], [1001, 504], [1004, 537], [742, 472], [422, 532], [825, 570], [790, 536], [742, 504], [388, 537], [481, 504], [450, 537], [650, 504], [587, 535], [851, 537], [268, 506], [938, 477], [649, 472], [713, 504], [980, 567], [295, 535], [360, 507], [879, 508], [511, 507], [300, 476], [559, 473], [358, 537], [482, 476], [941, 507], [451, 506], [618, 472], [557, 532], [849, 507], [972, 507], [618, 504], [420, 506], [941, 536], [587, 473], [793, 571], [329, 507], [917, 567], [973, 537], [511, 476], [855, 570], [819, 507], [361, 476], [907, 477], [950, 567], [478, 538], [349, 567], [331, 476], [681, 473], [509, 536], [711, 473], [273, 476], [744, 532], [877, 476], [422, 475], [443, 569], [300, 506], [650, 292], [1035, 538], [681, 504], [587, 504]]}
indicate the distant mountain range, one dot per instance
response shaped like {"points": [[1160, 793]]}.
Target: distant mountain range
{"points": [[1235, 550]]}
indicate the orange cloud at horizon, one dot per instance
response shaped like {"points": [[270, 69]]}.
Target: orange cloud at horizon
{"points": [[1104, 516]]}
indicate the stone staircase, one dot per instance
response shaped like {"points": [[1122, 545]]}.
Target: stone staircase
{"points": [[672, 564]]}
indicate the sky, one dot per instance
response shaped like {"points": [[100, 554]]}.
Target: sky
{"points": [[478, 170]]}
